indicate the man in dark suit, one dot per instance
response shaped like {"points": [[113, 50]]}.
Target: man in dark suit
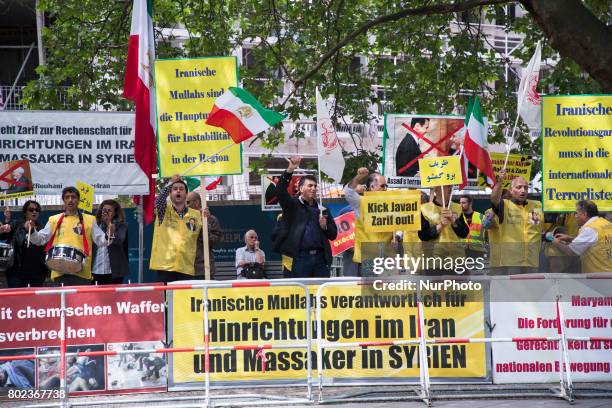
{"points": [[409, 149]]}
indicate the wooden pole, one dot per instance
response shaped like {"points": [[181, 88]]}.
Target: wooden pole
{"points": [[203, 193]]}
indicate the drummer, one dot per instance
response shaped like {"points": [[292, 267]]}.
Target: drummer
{"points": [[66, 229]]}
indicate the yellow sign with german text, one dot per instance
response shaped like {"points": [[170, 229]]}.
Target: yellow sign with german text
{"points": [[391, 210], [576, 151], [86, 196], [440, 171], [186, 90], [277, 316], [518, 165]]}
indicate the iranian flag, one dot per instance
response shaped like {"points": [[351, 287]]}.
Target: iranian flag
{"points": [[138, 86], [475, 146], [241, 115]]}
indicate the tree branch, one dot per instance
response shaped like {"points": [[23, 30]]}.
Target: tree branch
{"points": [[419, 11]]}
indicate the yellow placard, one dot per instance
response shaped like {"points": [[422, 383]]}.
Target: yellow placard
{"points": [[392, 210], [518, 165], [86, 194], [576, 151], [276, 316], [186, 90], [440, 171]]}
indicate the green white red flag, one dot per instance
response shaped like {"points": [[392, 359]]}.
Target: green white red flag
{"points": [[241, 115], [475, 145]]}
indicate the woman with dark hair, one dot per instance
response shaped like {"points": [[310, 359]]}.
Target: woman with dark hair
{"points": [[29, 268], [111, 264]]}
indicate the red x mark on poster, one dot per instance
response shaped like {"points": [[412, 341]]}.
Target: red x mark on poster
{"points": [[21, 163], [432, 145]]}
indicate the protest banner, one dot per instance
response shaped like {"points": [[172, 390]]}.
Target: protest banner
{"points": [[186, 90], [346, 233], [63, 147], [576, 151], [94, 322], [276, 316], [392, 210], [440, 171], [587, 313], [518, 165], [86, 196], [15, 179], [408, 138]]}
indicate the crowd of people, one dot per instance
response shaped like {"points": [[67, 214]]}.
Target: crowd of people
{"points": [[74, 248]]}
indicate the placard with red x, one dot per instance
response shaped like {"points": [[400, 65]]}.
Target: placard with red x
{"points": [[15, 164], [431, 144]]}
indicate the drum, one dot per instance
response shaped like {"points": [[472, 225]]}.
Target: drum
{"points": [[6, 256], [65, 259]]}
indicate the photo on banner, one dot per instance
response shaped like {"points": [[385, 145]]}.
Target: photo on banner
{"points": [[186, 90], [84, 374], [17, 373], [408, 138], [137, 370], [15, 179], [269, 200]]}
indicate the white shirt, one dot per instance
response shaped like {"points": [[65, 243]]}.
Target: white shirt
{"points": [[244, 255], [102, 265], [353, 198], [586, 238]]}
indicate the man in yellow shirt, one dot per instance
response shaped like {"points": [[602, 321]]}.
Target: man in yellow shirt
{"points": [[71, 229], [594, 240], [177, 229], [516, 238]]}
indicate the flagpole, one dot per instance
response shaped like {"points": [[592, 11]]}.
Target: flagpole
{"points": [[450, 198], [522, 93], [205, 243], [208, 158]]}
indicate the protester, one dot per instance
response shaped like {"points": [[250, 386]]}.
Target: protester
{"points": [[556, 260], [515, 240], [194, 201], [176, 233], [309, 227], [443, 227], [250, 259], [29, 268], [594, 240], [475, 240], [111, 264], [73, 230], [366, 241]]}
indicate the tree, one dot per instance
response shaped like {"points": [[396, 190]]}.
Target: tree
{"points": [[407, 56]]}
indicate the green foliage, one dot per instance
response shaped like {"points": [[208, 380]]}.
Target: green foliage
{"points": [[422, 64]]}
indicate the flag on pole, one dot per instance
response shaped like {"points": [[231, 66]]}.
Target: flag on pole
{"points": [[211, 182], [138, 86], [241, 115], [529, 101], [475, 146], [331, 160]]}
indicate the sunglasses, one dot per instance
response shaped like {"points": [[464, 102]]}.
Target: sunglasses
{"points": [[34, 209], [106, 211]]}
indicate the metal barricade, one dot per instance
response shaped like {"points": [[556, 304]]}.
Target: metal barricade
{"points": [[206, 348]]}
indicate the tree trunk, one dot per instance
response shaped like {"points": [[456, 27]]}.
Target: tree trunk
{"points": [[577, 34]]}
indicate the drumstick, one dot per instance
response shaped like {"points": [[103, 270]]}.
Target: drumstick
{"points": [[29, 232]]}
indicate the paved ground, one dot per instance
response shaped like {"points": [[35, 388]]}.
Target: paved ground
{"points": [[526, 396]]}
